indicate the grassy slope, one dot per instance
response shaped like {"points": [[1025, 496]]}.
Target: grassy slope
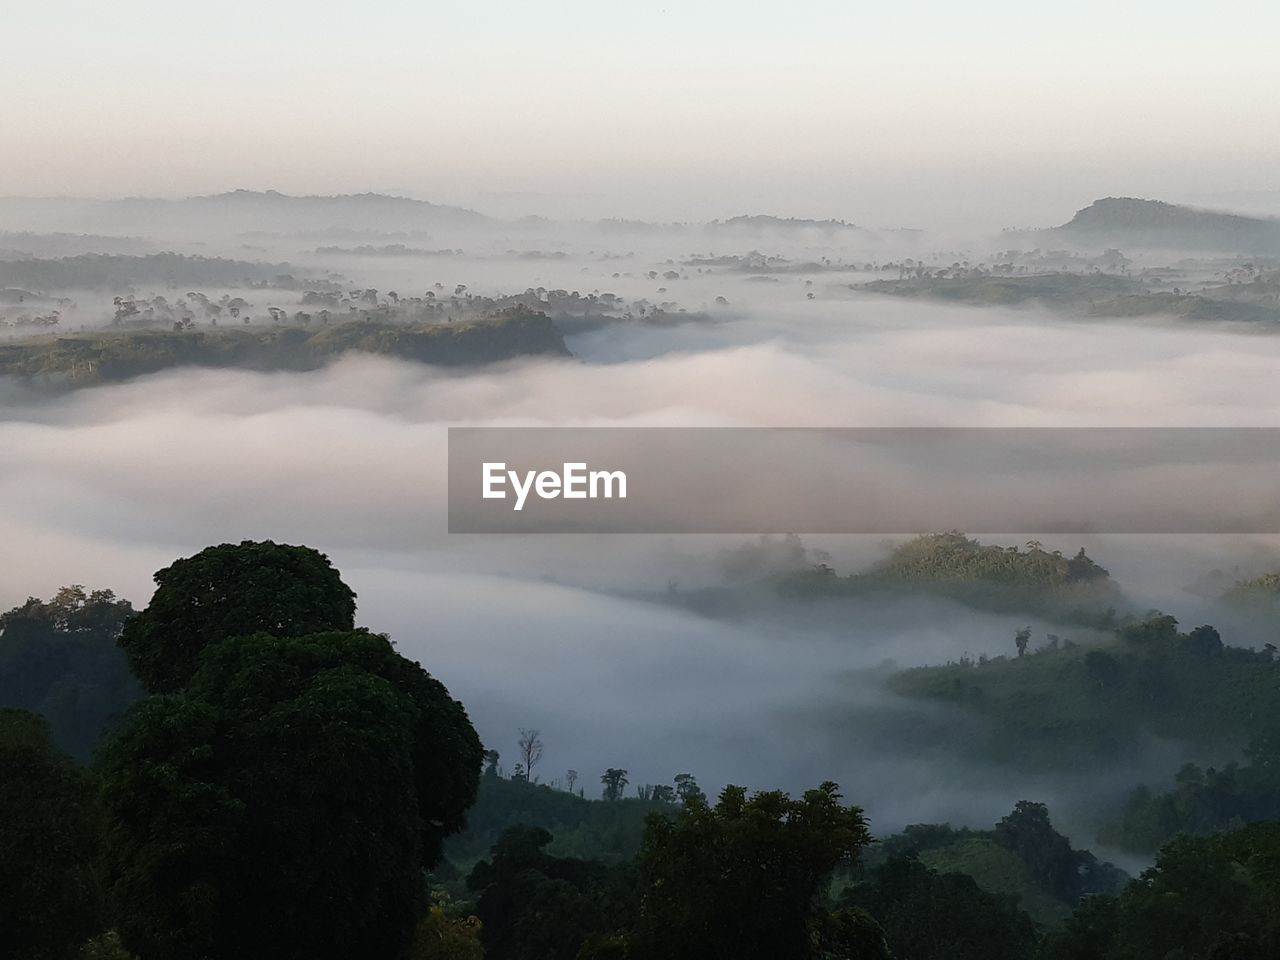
{"points": [[997, 870], [1048, 711], [591, 829]]}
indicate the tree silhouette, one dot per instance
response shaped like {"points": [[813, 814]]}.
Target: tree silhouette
{"points": [[615, 782], [530, 749]]}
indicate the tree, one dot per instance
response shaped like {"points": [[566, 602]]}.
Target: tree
{"points": [[50, 836], [1263, 754], [60, 659], [533, 906], [1205, 897], [1204, 801], [848, 931], [931, 916], [742, 879], [1051, 863], [570, 778], [1156, 629], [232, 590], [615, 783], [530, 750], [1021, 638], [687, 788], [1086, 934], [445, 933], [1102, 669], [1204, 641], [288, 774], [491, 758], [446, 751], [227, 816]]}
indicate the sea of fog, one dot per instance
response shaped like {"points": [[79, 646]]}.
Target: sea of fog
{"points": [[103, 486]]}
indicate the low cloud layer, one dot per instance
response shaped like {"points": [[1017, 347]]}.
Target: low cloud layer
{"points": [[104, 486]]}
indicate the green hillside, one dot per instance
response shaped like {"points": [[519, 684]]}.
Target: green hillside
{"points": [[111, 357], [1060, 707], [1028, 579], [610, 831]]}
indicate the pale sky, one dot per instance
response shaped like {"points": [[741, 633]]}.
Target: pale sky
{"points": [[920, 114]]}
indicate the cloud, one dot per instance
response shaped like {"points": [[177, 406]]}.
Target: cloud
{"points": [[104, 486]]}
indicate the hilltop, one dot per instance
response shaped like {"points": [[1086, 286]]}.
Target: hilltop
{"points": [[770, 222], [343, 204], [1005, 579], [1131, 222]]}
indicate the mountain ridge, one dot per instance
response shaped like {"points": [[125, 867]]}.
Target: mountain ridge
{"points": [[1157, 223]]}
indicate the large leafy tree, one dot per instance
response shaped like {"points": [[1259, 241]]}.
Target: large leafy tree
{"points": [[743, 879], [1050, 861], [50, 832], [257, 671], [285, 799], [228, 591], [277, 820]]}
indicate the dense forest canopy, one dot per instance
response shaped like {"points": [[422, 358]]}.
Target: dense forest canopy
{"points": [[1016, 579], [60, 659], [298, 760]]}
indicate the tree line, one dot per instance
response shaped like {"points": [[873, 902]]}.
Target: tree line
{"points": [[286, 782]]}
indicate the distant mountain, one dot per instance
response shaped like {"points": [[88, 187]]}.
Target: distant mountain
{"points": [[27, 245], [239, 212], [271, 210], [1128, 222], [769, 222], [120, 273]]}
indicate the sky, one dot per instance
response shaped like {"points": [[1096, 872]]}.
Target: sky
{"points": [[925, 114]]}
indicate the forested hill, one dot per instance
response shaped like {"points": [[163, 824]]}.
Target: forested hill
{"points": [[1058, 705], [112, 357], [1153, 223], [1028, 579]]}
